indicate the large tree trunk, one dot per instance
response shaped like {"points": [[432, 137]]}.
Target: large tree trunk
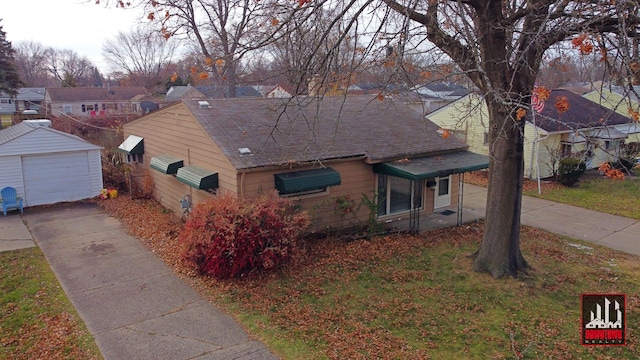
{"points": [[499, 254]]}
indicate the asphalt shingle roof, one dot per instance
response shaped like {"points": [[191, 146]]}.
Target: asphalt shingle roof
{"points": [[282, 131], [92, 94], [582, 113]]}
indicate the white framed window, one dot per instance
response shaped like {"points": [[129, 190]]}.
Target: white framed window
{"points": [[397, 195], [67, 109], [485, 138]]}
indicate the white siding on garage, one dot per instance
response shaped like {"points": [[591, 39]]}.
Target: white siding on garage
{"points": [[11, 173], [95, 173], [44, 140], [55, 178]]}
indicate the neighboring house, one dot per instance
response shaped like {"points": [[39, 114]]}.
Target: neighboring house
{"points": [[273, 91], [47, 166], [625, 105], [26, 100], [177, 93], [586, 130], [7, 110], [91, 102], [438, 94], [30, 99], [247, 91], [320, 151]]}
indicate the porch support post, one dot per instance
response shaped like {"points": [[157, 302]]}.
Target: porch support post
{"points": [[460, 197]]}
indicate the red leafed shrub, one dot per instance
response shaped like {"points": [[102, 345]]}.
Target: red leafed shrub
{"points": [[228, 237]]}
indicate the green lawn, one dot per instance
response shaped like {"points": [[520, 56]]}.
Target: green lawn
{"points": [[37, 321], [406, 297], [600, 194]]}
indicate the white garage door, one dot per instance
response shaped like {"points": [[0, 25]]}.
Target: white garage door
{"points": [[49, 179]]}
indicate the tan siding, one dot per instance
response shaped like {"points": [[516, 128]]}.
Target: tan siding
{"points": [[356, 178], [174, 132]]}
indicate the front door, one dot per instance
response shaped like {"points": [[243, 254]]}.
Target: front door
{"points": [[443, 192]]}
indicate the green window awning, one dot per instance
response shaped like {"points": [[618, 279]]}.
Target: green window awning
{"points": [[434, 166], [308, 180], [166, 164], [197, 177], [132, 145]]}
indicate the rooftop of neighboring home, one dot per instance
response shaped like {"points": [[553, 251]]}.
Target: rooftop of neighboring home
{"points": [[581, 113], [441, 89], [72, 94], [26, 94], [281, 131]]}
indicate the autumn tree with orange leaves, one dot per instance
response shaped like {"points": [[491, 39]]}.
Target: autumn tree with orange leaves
{"points": [[498, 45]]}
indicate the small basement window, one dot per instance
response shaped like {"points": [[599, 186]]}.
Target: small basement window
{"points": [[133, 148], [198, 178], [306, 182], [166, 164]]}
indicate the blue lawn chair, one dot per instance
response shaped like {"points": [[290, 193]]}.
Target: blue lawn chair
{"points": [[10, 200]]}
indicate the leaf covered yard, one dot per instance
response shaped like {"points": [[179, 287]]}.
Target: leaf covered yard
{"points": [[411, 297]]}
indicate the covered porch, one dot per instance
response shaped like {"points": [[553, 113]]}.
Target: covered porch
{"points": [[419, 172]]}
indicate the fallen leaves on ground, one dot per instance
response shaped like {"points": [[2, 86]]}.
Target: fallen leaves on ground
{"points": [[397, 310], [481, 178]]}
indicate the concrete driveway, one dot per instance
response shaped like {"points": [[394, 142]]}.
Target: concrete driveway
{"points": [[132, 303]]}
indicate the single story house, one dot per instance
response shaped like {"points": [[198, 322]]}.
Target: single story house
{"points": [[47, 166], [26, 99], [624, 103], [91, 102], [175, 93], [321, 151], [586, 130]]}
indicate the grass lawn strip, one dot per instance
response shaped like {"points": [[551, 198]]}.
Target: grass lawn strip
{"points": [[600, 194], [37, 321]]}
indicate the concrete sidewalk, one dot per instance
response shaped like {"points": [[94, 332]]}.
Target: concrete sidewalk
{"points": [[14, 234], [616, 232], [132, 303]]}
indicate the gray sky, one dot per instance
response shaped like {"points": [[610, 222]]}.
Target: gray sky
{"points": [[78, 25]]}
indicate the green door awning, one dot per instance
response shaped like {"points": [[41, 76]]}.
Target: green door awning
{"points": [[434, 166], [308, 180], [197, 177], [166, 164], [132, 145]]}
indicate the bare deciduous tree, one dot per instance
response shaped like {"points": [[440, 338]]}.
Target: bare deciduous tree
{"points": [[143, 56], [69, 68], [223, 30], [31, 59]]}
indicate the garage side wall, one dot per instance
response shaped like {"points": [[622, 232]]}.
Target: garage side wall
{"points": [[11, 173]]}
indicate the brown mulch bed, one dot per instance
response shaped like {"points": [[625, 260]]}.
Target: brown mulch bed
{"points": [[481, 178]]}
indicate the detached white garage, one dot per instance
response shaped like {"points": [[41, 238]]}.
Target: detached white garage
{"points": [[47, 166]]}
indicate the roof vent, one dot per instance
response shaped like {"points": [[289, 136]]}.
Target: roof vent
{"points": [[203, 104], [244, 151]]}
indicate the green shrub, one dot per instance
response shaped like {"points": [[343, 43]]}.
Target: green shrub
{"points": [[570, 171], [229, 237]]}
